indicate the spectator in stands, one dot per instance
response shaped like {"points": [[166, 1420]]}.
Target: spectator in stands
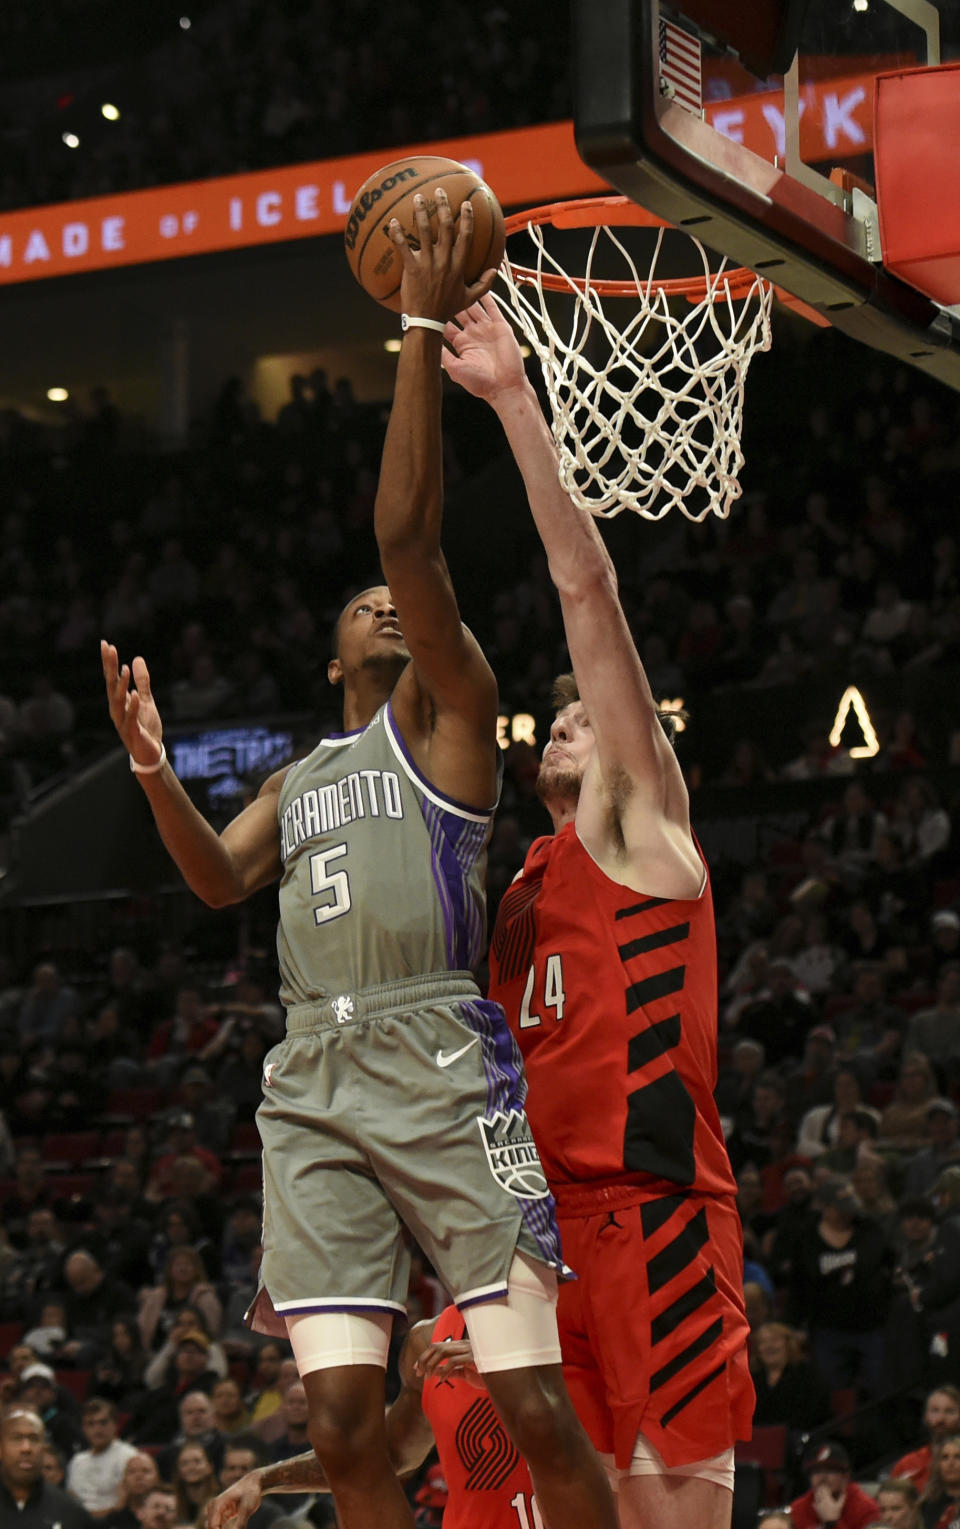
{"points": [[26, 1499], [780, 1015], [752, 1135], [903, 1124], [940, 1498], [211, 1112], [833, 1498], [945, 942], [162, 1369], [196, 1427], [242, 1236], [856, 1132], [942, 1151], [840, 1290], [38, 1392], [920, 823], [870, 1033], [114, 1047], [897, 1501], [90, 1298], [775, 1518], [865, 939], [140, 1476], [238, 1078], [230, 1415], [195, 1480], [180, 1226], [53, 1468], [869, 1182], [182, 1142], [47, 1004], [184, 1283], [50, 1334], [924, 1327], [851, 834], [809, 1082], [35, 1271], [119, 1373], [936, 1031], [158, 1509], [265, 1394], [941, 1419], [186, 1034], [793, 1223], [121, 1235], [95, 1474], [789, 1388], [820, 1125], [242, 1454]]}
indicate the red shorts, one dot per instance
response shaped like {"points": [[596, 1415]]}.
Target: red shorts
{"points": [[653, 1329]]}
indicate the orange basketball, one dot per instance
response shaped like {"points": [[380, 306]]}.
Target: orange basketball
{"points": [[373, 257]]}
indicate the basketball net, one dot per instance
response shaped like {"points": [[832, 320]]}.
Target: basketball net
{"points": [[647, 409]]}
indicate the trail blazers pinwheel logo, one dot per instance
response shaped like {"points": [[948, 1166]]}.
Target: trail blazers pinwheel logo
{"points": [[512, 1154]]}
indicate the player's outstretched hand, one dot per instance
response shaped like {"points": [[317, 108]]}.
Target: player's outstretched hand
{"points": [[453, 1358], [237, 1505], [433, 285], [485, 356], [133, 711]]}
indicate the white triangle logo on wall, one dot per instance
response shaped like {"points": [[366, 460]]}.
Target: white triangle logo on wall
{"points": [[852, 700]]}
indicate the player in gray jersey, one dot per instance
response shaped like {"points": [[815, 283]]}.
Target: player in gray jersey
{"points": [[397, 1094]]}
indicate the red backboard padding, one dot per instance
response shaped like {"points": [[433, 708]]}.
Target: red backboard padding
{"points": [[918, 178]]}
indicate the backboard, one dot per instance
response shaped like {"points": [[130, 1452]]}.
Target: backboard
{"points": [[672, 108]]}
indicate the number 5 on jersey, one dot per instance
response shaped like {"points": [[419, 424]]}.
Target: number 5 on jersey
{"points": [[552, 996], [323, 881]]}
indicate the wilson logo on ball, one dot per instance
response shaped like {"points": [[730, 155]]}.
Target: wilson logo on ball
{"points": [[369, 199]]}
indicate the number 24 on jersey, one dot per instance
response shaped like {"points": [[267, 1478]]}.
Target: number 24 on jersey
{"points": [[536, 1000]]}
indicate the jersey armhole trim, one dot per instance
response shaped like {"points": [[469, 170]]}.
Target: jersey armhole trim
{"points": [[648, 891], [439, 799]]}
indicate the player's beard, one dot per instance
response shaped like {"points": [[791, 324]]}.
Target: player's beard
{"points": [[556, 783]]}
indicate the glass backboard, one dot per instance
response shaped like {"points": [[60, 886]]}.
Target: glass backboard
{"points": [[776, 172]]}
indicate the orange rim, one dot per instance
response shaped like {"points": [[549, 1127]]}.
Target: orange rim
{"points": [[616, 212]]}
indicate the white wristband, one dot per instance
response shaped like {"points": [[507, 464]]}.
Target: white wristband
{"points": [[408, 321], [139, 769]]}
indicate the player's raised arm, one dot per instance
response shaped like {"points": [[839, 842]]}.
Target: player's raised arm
{"points": [[448, 665], [220, 869], [634, 779]]}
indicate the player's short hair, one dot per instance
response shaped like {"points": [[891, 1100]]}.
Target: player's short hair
{"points": [[566, 691]]}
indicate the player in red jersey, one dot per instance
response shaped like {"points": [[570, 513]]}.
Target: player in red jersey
{"points": [[604, 958], [488, 1482]]}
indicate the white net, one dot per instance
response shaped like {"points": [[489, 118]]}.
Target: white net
{"points": [[647, 413]]}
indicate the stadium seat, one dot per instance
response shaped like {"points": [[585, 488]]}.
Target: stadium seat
{"points": [[134, 1103], [77, 1382], [247, 1179], [10, 1333], [69, 1147], [767, 1449], [65, 1185], [244, 1140]]}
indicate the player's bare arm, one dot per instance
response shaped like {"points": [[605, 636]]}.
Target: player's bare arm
{"points": [[446, 701], [220, 868], [633, 812], [409, 1441]]}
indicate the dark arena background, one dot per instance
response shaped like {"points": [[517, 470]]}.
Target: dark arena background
{"points": [[193, 397]]}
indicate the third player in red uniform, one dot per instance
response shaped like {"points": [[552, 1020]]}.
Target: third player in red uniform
{"points": [[604, 958]]}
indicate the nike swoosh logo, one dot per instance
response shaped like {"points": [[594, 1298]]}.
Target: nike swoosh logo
{"points": [[445, 1061]]}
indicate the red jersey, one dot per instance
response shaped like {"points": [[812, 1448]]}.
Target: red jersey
{"points": [[612, 997], [489, 1483], [914, 1467]]}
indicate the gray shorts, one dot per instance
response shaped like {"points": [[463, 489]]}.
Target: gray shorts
{"points": [[400, 1103]]}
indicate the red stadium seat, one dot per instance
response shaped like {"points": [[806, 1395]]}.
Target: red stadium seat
{"points": [[768, 1450], [247, 1179], [65, 1185], [245, 1140], [135, 1103], [77, 1382], [10, 1333], [70, 1147]]}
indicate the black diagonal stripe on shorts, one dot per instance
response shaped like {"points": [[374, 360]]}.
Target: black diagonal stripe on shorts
{"points": [[653, 1042], [677, 1254], [687, 1356], [701, 1385], [668, 1321], [654, 941], [656, 1213], [657, 986], [652, 902]]}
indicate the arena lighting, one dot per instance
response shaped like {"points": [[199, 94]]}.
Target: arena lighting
{"points": [[393, 346], [111, 112], [853, 700], [861, 5], [71, 140], [185, 23], [57, 395]]}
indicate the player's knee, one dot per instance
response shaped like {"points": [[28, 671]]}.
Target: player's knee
{"points": [[344, 1435], [539, 1417]]}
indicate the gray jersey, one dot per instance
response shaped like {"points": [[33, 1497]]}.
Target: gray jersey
{"points": [[382, 874]]}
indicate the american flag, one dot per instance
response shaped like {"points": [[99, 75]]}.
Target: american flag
{"points": [[680, 74]]}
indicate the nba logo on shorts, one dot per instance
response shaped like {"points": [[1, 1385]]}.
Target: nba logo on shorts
{"points": [[512, 1154]]}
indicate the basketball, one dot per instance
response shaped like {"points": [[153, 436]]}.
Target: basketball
{"points": [[373, 257]]}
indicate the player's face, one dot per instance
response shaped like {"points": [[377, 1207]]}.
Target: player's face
{"points": [[566, 754], [369, 632]]}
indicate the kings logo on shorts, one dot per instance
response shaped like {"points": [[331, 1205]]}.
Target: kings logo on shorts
{"points": [[512, 1154]]}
